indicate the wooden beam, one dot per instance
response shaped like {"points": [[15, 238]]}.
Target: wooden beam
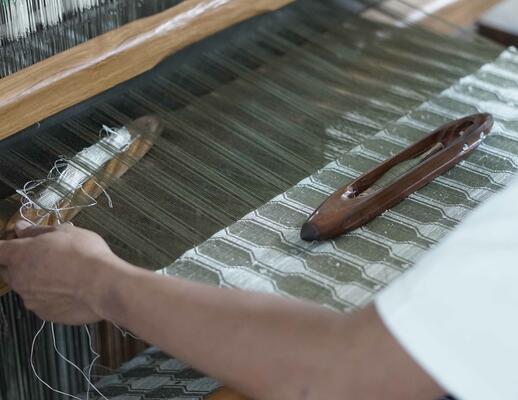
{"points": [[407, 11], [462, 13], [88, 69]]}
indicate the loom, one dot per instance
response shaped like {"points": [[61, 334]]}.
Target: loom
{"points": [[266, 107]]}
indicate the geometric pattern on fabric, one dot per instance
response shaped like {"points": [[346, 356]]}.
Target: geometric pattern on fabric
{"points": [[263, 251]]}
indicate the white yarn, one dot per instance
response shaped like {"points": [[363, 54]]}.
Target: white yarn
{"points": [[67, 176], [92, 364], [88, 377]]}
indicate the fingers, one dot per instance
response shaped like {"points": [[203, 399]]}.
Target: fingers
{"points": [[11, 250], [24, 229]]}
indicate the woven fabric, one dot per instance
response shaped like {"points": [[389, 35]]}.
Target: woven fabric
{"points": [[154, 375], [263, 250]]}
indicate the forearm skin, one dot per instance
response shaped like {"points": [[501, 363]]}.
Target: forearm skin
{"points": [[265, 346]]}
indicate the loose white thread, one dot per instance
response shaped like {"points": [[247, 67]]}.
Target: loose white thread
{"points": [[88, 376], [125, 332], [33, 346], [45, 197]]}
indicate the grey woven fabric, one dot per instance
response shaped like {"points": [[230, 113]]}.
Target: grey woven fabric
{"points": [[263, 251]]}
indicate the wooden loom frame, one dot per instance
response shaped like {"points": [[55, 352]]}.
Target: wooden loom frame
{"points": [[75, 75]]}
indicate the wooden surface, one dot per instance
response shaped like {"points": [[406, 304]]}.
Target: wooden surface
{"points": [[75, 75]]}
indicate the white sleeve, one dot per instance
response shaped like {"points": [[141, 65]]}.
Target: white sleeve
{"points": [[456, 311]]}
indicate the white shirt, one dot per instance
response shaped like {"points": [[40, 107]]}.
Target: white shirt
{"points": [[456, 311]]}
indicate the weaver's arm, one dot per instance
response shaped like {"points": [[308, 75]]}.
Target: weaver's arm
{"points": [[264, 346]]}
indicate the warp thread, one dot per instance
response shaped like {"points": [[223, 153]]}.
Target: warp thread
{"points": [[68, 176]]}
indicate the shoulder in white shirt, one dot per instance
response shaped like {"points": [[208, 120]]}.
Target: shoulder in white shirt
{"points": [[456, 311]]}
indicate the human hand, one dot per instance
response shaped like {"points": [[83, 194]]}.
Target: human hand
{"points": [[58, 271]]}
